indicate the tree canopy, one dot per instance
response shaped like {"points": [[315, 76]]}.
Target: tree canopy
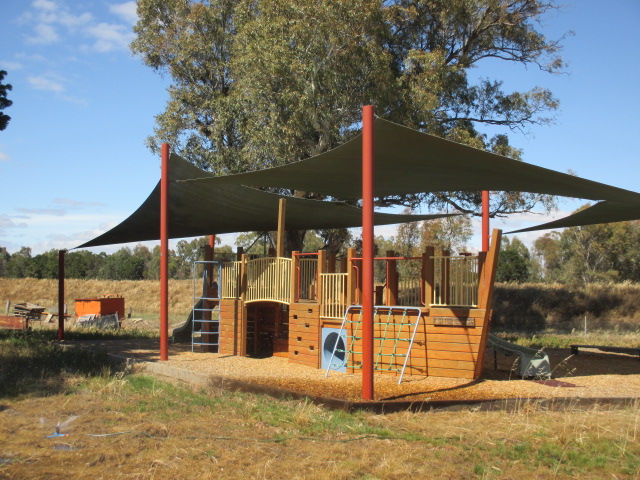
{"points": [[258, 83], [4, 101]]}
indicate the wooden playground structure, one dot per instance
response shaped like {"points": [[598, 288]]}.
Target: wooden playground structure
{"points": [[431, 314]]}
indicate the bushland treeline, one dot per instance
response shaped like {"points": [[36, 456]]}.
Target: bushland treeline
{"points": [[138, 263], [592, 254]]}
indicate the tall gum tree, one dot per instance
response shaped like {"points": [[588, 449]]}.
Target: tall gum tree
{"points": [[257, 83]]}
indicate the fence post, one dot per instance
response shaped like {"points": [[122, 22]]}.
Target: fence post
{"points": [[242, 341], [319, 271], [391, 280], [428, 278], [445, 271], [295, 262], [351, 277]]}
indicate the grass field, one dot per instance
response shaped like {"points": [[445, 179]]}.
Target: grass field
{"points": [[121, 424]]}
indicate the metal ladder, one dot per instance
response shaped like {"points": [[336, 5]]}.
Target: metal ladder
{"points": [[384, 335], [199, 336]]}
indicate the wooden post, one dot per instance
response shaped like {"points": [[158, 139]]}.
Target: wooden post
{"points": [[242, 350], [282, 213], [7, 307], [428, 272], [482, 258], [367, 251], [61, 254], [295, 264], [164, 255], [489, 269], [485, 220], [331, 263], [445, 271], [239, 253], [321, 269], [391, 280], [352, 279]]}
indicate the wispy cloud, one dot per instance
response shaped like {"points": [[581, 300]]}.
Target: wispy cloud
{"points": [[109, 37], [4, 157], [75, 203], [7, 222], [52, 21], [45, 34], [127, 11], [47, 82], [7, 65], [58, 212]]}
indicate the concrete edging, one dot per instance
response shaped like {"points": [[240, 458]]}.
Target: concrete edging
{"points": [[505, 404]]}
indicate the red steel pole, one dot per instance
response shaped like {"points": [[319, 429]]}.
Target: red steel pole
{"points": [[61, 254], [485, 221], [367, 252], [164, 255]]}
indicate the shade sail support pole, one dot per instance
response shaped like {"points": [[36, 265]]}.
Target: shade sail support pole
{"points": [[61, 275], [164, 255], [485, 221], [282, 215], [367, 251]]}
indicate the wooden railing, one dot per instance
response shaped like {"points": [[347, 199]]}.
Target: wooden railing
{"points": [[269, 279], [455, 280], [307, 278], [333, 297], [231, 279], [409, 292]]}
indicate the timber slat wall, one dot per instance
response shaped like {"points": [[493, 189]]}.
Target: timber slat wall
{"points": [[230, 325], [438, 350], [304, 334]]}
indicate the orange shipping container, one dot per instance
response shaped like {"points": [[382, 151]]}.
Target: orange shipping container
{"points": [[100, 306]]}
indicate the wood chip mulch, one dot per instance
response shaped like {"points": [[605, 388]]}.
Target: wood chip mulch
{"points": [[587, 375]]}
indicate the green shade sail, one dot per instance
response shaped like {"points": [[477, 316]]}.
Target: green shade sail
{"points": [[408, 161], [197, 209], [603, 212]]}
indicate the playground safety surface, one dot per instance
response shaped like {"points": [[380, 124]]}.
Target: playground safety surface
{"points": [[589, 375]]}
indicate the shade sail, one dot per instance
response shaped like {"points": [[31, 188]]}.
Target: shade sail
{"points": [[603, 212], [408, 161], [197, 209]]}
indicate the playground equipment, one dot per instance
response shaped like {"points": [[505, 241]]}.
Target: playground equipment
{"points": [[432, 316], [531, 362]]}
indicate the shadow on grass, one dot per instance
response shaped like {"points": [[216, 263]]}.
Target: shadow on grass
{"points": [[33, 363]]}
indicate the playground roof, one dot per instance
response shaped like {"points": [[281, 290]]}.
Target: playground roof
{"points": [[409, 161], [200, 209], [602, 212], [406, 161]]}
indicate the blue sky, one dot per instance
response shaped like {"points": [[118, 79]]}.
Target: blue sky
{"points": [[73, 161]]}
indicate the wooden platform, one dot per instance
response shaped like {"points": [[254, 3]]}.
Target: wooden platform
{"points": [[575, 349], [13, 322]]}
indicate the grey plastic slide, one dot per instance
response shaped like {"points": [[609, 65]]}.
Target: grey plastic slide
{"points": [[533, 363]]}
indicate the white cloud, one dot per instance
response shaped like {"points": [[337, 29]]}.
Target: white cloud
{"points": [[46, 5], [127, 11], [48, 83], [5, 65], [58, 212], [44, 35], [4, 157], [6, 222], [110, 37]]}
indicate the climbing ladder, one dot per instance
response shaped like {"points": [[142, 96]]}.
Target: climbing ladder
{"points": [[389, 335], [205, 326]]}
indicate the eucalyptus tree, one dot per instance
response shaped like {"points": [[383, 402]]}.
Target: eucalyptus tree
{"points": [[258, 83]]}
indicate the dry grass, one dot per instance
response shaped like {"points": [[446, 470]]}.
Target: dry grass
{"points": [[536, 307], [149, 429], [141, 295]]}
